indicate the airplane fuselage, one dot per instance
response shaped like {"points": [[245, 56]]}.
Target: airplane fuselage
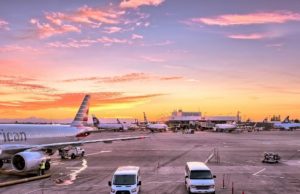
{"points": [[36, 134], [110, 126], [157, 126], [287, 125]]}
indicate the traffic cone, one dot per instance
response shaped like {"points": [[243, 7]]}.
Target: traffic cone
{"points": [[243, 192]]}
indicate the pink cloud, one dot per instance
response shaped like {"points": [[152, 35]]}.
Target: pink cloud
{"points": [[247, 36], [111, 30], [106, 41], [153, 59], [163, 43], [137, 3], [276, 45], [45, 30], [4, 24], [94, 17], [109, 41], [17, 48], [136, 36], [247, 19]]}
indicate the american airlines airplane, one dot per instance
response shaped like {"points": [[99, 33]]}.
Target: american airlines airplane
{"points": [[287, 124], [156, 126], [25, 146], [225, 127], [109, 126]]}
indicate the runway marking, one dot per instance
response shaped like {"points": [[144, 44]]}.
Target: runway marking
{"points": [[268, 176], [209, 157], [255, 174], [74, 174], [105, 151]]}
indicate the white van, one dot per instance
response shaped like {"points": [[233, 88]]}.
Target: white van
{"points": [[126, 180], [198, 178]]}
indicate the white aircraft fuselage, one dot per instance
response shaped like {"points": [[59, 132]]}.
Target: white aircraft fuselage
{"points": [[26, 134]]}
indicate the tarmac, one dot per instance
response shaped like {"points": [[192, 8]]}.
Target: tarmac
{"points": [[162, 157]]}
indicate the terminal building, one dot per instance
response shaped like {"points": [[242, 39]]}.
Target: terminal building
{"points": [[183, 119], [195, 120]]}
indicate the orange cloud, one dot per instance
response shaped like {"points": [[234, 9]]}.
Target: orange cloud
{"points": [[125, 78], [72, 100], [45, 30], [171, 78], [247, 36], [114, 79], [25, 84], [138, 3], [252, 18]]}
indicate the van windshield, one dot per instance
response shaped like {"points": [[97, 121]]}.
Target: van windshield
{"points": [[124, 180], [201, 174]]}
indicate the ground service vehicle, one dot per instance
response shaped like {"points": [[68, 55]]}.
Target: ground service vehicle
{"points": [[270, 157], [126, 180], [198, 178], [71, 152]]}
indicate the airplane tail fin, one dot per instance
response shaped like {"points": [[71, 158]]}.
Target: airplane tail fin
{"points": [[137, 122], [81, 117], [96, 121], [119, 122], [145, 118], [123, 126], [286, 120]]}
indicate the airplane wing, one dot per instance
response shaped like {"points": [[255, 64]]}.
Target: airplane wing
{"points": [[13, 149], [78, 143]]}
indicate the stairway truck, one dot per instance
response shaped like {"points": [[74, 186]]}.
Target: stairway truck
{"points": [[72, 152]]}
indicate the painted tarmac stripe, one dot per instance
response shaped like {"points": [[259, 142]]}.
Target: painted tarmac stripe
{"points": [[259, 171]]}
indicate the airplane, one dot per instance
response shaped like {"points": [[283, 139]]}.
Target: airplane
{"points": [[26, 145], [131, 125], [228, 127], [109, 126], [286, 124], [156, 126], [225, 127]]}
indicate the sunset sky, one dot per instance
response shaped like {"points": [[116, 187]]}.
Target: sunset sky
{"points": [[153, 56]]}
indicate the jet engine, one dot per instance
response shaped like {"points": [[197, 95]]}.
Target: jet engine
{"points": [[29, 161]]}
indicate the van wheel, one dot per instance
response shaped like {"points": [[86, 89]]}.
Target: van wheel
{"points": [[1, 163], [73, 156]]}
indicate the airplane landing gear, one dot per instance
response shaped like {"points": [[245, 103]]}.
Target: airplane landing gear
{"points": [[47, 165]]}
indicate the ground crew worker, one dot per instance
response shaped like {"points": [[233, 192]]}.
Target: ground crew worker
{"points": [[42, 168]]}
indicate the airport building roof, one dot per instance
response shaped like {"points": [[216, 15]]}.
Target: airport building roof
{"points": [[180, 115], [220, 118]]}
